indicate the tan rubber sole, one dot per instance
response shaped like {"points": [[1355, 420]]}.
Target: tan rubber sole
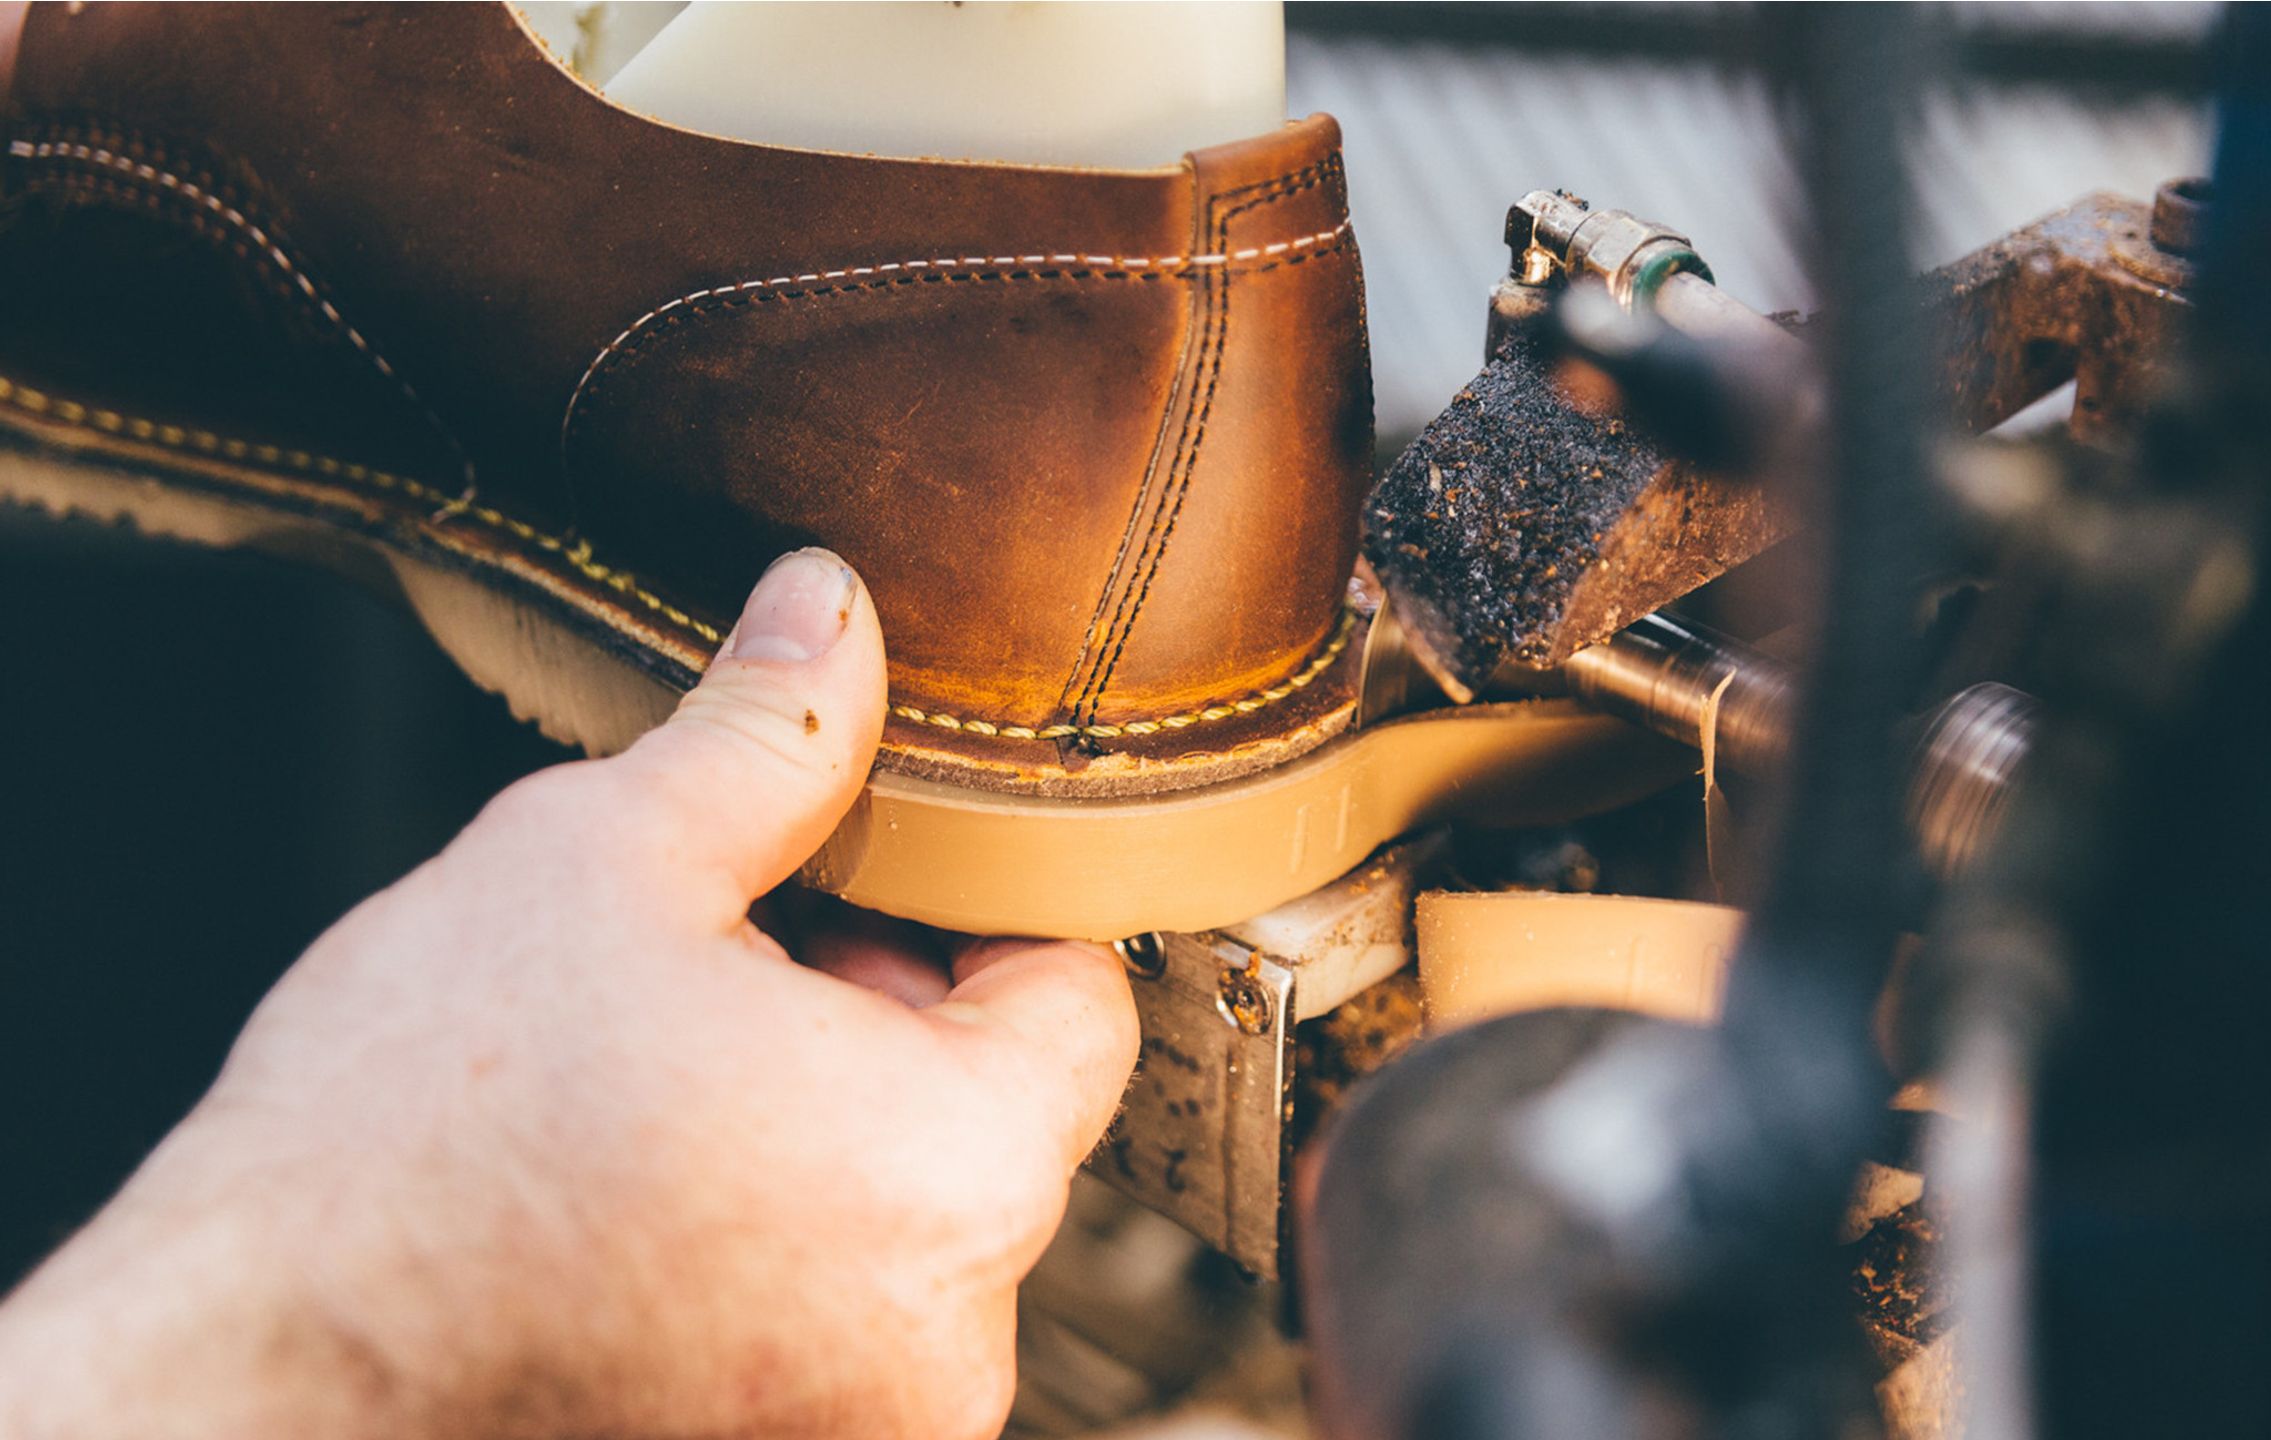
{"points": [[594, 673]]}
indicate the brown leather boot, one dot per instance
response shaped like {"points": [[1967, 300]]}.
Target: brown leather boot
{"points": [[1095, 439], [390, 286]]}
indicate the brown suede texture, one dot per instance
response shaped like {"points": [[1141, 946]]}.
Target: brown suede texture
{"points": [[1096, 440]]}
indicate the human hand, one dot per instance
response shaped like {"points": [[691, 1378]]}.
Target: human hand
{"points": [[549, 1139]]}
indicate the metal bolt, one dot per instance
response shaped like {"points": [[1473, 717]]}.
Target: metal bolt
{"points": [[2180, 214], [1144, 956], [1244, 1000]]}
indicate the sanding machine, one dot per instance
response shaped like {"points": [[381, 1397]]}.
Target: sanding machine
{"points": [[1949, 664]]}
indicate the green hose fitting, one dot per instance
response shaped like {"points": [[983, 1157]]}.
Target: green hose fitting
{"points": [[1649, 275]]}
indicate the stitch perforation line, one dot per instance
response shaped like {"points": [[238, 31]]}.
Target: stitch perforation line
{"points": [[105, 157], [1040, 265], [1183, 466], [577, 556]]}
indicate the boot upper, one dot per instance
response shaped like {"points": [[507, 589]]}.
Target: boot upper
{"points": [[1095, 439]]}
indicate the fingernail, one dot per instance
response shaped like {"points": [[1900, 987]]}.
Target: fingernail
{"points": [[798, 610]]}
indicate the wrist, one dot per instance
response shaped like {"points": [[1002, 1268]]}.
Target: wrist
{"points": [[207, 1300]]}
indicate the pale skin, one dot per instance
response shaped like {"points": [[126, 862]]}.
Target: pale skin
{"points": [[549, 1139]]}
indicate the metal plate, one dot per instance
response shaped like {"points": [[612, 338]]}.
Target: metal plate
{"points": [[1201, 1135]]}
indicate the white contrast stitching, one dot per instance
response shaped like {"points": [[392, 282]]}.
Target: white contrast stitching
{"points": [[189, 190], [1156, 263]]}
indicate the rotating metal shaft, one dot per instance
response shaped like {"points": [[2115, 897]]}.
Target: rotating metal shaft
{"points": [[1676, 678]]}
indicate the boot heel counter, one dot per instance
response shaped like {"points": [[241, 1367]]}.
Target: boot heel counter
{"points": [[1240, 569]]}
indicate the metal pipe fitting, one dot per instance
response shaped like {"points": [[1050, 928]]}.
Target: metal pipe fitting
{"points": [[1553, 230], [1645, 267]]}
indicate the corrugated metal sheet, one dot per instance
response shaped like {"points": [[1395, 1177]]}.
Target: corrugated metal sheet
{"points": [[1441, 139], [2168, 19]]}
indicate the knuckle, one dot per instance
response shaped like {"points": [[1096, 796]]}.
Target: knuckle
{"points": [[773, 734], [1009, 1179]]}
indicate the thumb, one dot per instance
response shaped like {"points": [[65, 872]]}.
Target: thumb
{"points": [[763, 757]]}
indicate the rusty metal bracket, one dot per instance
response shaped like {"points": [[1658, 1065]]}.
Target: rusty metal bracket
{"points": [[2088, 294], [1201, 1132], [1204, 1131]]}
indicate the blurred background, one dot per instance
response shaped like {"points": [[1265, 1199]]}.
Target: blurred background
{"points": [[206, 758], [1451, 112]]}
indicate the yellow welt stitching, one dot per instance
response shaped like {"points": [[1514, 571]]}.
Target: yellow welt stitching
{"points": [[177, 437], [1301, 679], [577, 555]]}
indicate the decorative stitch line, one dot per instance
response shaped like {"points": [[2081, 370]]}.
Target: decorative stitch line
{"points": [[1184, 464], [116, 190], [107, 158], [940, 268], [577, 555]]}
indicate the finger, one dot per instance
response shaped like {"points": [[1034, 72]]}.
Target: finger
{"points": [[1055, 1026], [763, 757], [899, 958], [887, 969]]}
